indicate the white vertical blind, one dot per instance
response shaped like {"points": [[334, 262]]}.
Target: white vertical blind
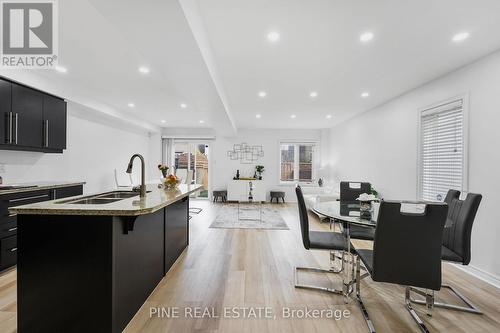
{"points": [[441, 150]]}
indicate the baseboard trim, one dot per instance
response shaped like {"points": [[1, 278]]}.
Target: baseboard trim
{"points": [[480, 274]]}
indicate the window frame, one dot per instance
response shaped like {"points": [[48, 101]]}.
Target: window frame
{"points": [[296, 162], [465, 159]]}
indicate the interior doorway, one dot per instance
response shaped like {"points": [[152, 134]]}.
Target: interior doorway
{"points": [[191, 162]]}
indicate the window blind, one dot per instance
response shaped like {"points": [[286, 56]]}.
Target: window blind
{"points": [[441, 150]]}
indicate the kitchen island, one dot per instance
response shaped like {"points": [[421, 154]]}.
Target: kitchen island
{"points": [[88, 263]]}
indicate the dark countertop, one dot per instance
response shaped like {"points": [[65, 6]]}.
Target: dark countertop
{"points": [[134, 206], [35, 186]]}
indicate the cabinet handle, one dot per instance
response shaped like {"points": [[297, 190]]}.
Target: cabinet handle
{"points": [[46, 133], [17, 123], [12, 229], [29, 198], [14, 249], [10, 127]]}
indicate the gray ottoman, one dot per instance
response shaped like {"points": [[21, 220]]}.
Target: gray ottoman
{"points": [[278, 195], [222, 194]]}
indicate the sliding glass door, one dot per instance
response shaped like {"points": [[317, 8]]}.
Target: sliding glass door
{"points": [[191, 162]]}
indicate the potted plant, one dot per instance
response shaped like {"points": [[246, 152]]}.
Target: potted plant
{"points": [[164, 169], [259, 169]]}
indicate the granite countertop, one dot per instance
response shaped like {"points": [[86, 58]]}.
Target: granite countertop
{"points": [[134, 206], [35, 186]]}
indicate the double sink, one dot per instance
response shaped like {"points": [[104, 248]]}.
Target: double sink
{"points": [[100, 199]]}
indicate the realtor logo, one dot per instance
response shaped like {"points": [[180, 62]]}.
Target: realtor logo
{"points": [[29, 34]]}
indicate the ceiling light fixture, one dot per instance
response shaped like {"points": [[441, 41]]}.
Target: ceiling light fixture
{"points": [[144, 70], [365, 94], [366, 37], [273, 36], [262, 94], [131, 105], [460, 37], [183, 105], [328, 116], [313, 94], [202, 121], [258, 116], [61, 69], [163, 121], [293, 116]]}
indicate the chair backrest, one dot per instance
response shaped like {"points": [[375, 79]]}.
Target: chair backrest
{"points": [[407, 245], [461, 214], [182, 174], [304, 219], [350, 191], [189, 177]]}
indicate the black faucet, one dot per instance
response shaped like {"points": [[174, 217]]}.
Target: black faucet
{"points": [[142, 187]]}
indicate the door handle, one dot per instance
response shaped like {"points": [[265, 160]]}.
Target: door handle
{"points": [[10, 127], [12, 229], [17, 123], [14, 249], [46, 133], [29, 198]]}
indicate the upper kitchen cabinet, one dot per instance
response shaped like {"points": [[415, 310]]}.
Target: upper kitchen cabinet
{"points": [[27, 107], [6, 116], [30, 119], [54, 122]]}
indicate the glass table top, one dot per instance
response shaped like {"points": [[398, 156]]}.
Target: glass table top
{"points": [[344, 211]]}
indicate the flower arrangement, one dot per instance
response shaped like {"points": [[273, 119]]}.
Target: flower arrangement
{"points": [[164, 169], [171, 182], [259, 169]]}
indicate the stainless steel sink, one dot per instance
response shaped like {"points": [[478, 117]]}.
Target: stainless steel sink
{"points": [[92, 201], [118, 195]]}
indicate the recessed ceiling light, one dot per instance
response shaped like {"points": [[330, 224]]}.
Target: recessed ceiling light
{"points": [[144, 70], [328, 116], [131, 105], [183, 105], [365, 94], [202, 121], [313, 94], [366, 36], [273, 36], [258, 116], [460, 37], [163, 121], [61, 69], [293, 116], [262, 94]]}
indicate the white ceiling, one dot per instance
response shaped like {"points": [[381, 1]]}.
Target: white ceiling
{"points": [[214, 56]]}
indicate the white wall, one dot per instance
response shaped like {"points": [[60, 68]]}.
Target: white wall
{"points": [[380, 146], [95, 147], [224, 169]]}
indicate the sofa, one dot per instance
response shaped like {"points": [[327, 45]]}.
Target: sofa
{"points": [[315, 194]]}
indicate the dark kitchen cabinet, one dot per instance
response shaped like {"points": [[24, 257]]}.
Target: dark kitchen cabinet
{"points": [[8, 222], [30, 119], [27, 107], [5, 112], [176, 230], [54, 122]]}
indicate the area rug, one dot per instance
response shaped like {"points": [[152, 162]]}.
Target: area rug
{"points": [[248, 217]]}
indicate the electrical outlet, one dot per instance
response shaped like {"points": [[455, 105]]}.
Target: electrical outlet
{"points": [[2, 168]]}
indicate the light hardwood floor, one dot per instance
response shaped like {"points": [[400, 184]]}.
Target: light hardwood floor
{"points": [[254, 268]]}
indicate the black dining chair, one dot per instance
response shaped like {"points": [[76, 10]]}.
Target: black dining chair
{"points": [[318, 240], [456, 245], [406, 250], [350, 191]]}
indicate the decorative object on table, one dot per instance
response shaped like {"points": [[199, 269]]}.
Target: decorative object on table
{"points": [[227, 218], [259, 169], [277, 195], [320, 182], [237, 175], [245, 153], [171, 181], [374, 192], [365, 205], [164, 169], [222, 194]]}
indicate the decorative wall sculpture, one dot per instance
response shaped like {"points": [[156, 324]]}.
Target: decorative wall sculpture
{"points": [[245, 153]]}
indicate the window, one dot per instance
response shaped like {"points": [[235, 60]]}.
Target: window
{"points": [[297, 162], [442, 164]]}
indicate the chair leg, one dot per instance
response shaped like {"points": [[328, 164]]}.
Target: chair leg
{"points": [[471, 308], [429, 299], [316, 270], [362, 307]]}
